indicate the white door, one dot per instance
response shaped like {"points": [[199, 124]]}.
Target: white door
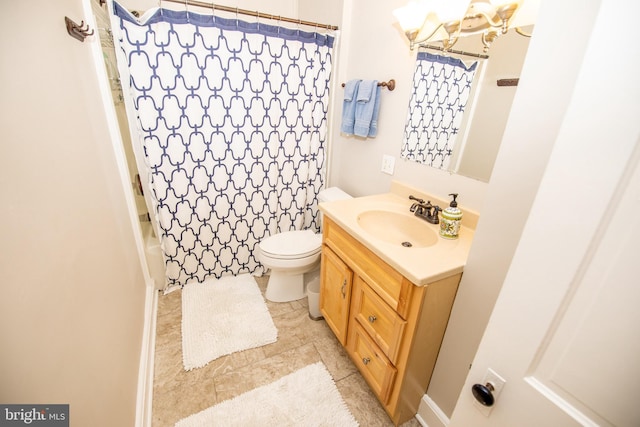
{"points": [[565, 331]]}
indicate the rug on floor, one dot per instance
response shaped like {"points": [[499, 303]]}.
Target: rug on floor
{"points": [[223, 316], [307, 397]]}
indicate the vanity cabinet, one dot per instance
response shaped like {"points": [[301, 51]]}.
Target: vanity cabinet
{"points": [[391, 328]]}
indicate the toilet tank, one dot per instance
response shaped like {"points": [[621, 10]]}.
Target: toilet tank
{"points": [[331, 194]]}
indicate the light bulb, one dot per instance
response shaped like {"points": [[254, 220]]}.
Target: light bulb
{"points": [[411, 17]]}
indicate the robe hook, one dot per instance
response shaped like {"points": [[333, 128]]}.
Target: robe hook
{"points": [[78, 32]]}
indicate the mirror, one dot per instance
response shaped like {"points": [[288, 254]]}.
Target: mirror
{"points": [[473, 148]]}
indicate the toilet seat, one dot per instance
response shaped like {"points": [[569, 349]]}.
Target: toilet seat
{"points": [[291, 244]]}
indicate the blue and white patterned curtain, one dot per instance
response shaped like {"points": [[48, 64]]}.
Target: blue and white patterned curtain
{"points": [[441, 88], [232, 117]]}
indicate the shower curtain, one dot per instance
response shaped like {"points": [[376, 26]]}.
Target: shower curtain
{"points": [[232, 117], [441, 88]]}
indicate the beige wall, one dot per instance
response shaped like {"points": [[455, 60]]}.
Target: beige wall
{"points": [[325, 12], [72, 305]]}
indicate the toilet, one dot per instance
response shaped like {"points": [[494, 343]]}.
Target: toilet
{"points": [[293, 254]]}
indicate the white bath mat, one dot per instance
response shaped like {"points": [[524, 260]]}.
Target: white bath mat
{"points": [[222, 316], [307, 397]]}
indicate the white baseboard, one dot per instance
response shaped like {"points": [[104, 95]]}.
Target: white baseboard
{"points": [[430, 415], [421, 421], [147, 355]]}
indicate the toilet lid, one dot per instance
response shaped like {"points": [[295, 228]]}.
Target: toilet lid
{"points": [[292, 244]]}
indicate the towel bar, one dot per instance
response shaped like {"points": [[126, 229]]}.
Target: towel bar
{"points": [[391, 84]]}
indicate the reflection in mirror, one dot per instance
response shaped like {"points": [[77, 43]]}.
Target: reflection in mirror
{"points": [[481, 111], [441, 89]]}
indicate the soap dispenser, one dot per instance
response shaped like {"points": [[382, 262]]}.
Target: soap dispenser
{"points": [[451, 219]]}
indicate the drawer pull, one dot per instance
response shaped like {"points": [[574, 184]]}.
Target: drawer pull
{"points": [[342, 290], [372, 318], [366, 360]]}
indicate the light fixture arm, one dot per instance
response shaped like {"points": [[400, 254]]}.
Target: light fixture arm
{"points": [[490, 19], [453, 30], [488, 37], [506, 13]]}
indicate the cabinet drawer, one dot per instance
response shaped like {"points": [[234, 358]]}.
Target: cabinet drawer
{"points": [[381, 322], [376, 369], [386, 281]]}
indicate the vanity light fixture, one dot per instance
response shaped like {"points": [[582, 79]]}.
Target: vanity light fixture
{"points": [[448, 20]]}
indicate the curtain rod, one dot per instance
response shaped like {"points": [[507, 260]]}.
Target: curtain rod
{"points": [[257, 14], [459, 52]]}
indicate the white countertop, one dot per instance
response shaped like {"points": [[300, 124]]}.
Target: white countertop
{"points": [[421, 265]]}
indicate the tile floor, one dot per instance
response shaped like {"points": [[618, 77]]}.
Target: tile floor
{"points": [[301, 341]]}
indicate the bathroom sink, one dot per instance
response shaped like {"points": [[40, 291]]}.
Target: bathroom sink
{"points": [[397, 228]]}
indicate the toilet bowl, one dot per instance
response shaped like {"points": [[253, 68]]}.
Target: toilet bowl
{"points": [[291, 254]]}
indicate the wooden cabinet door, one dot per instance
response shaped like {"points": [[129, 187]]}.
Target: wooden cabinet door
{"points": [[335, 293]]}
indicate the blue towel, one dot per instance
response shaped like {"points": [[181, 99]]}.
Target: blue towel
{"points": [[365, 105], [373, 129], [349, 106], [366, 90]]}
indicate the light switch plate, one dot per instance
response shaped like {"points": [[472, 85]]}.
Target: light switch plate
{"points": [[388, 163]]}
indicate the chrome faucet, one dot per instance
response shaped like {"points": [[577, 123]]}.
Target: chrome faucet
{"points": [[425, 211]]}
